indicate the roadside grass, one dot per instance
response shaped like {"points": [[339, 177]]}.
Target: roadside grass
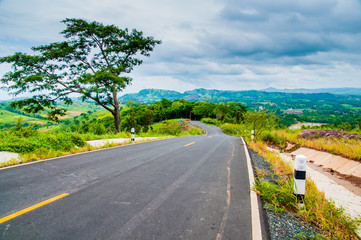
{"points": [[349, 148], [239, 130], [333, 222], [34, 145], [50, 153], [173, 127]]}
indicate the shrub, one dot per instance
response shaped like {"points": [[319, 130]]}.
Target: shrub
{"points": [[333, 221], [234, 129], [51, 141], [274, 139], [22, 131], [98, 128], [211, 121]]}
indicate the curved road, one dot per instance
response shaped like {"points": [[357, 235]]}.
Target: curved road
{"points": [[181, 188]]}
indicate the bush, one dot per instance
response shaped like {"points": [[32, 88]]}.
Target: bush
{"points": [[50, 141], [211, 121], [22, 131], [234, 129], [168, 128], [98, 128], [274, 139]]}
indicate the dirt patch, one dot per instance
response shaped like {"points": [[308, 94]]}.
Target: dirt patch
{"points": [[356, 181], [185, 127], [300, 125], [323, 133], [74, 113]]}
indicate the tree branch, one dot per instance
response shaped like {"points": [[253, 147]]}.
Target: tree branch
{"points": [[102, 51]]}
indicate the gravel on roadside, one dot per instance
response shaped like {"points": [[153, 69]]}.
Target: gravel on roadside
{"points": [[285, 225]]}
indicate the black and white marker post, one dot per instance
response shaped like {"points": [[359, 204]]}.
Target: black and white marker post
{"points": [[300, 177], [133, 134]]}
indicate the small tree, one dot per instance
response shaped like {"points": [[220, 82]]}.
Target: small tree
{"points": [[259, 121], [92, 62]]}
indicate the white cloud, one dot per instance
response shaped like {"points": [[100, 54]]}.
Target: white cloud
{"points": [[212, 44]]}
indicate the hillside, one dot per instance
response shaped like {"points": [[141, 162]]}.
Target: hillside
{"points": [[252, 98], [304, 107], [9, 116]]}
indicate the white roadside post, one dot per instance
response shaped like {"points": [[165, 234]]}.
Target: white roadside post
{"points": [[133, 134], [252, 135], [299, 186]]}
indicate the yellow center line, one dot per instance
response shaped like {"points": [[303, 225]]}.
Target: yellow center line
{"points": [[14, 215], [189, 144]]}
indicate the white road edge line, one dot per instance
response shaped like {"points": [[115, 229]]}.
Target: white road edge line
{"points": [[256, 222]]}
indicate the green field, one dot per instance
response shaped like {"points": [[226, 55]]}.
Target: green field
{"points": [[77, 108], [11, 118]]}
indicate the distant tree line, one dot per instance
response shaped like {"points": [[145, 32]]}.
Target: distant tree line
{"points": [[142, 116]]}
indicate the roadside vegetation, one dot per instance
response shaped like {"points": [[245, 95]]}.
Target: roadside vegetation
{"points": [[333, 222], [170, 118], [33, 144], [276, 186], [348, 148]]}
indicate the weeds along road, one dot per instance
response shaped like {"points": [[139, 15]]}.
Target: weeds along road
{"points": [[181, 188]]}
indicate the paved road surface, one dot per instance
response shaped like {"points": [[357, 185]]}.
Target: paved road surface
{"points": [[181, 188]]}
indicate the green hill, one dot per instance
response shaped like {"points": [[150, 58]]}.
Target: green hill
{"points": [[9, 116], [307, 107]]}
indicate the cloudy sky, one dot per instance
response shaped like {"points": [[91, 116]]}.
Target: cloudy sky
{"points": [[224, 44]]}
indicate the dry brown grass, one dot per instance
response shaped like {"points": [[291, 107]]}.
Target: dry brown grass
{"points": [[332, 221], [349, 148]]}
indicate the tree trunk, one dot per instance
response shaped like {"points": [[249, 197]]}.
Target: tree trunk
{"points": [[116, 115]]}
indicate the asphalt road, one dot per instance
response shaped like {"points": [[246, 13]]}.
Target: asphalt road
{"points": [[180, 188]]}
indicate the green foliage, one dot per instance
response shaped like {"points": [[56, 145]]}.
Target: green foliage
{"points": [[260, 121], [279, 196], [168, 128], [21, 131], [40, 141], [317, 210], [235, 129], [273, 139], [303, 236], [315, 107], [211, 121], [346, 126]]}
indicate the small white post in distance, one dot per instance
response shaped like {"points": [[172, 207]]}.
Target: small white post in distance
{"points": [[133, 134], [299, 186], [252, 135]]}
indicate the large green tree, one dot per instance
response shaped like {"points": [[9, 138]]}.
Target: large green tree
{"points": [[93, 61]]}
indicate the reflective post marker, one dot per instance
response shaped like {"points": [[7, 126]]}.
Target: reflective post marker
{"points": [[252, 135], [133, 134], [299, 185]]}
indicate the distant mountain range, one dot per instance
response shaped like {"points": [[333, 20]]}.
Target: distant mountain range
{"points": [[342, 91], [155, 95], [201, 94]]}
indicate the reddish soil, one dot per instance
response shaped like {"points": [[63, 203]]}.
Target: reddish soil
{"points": [[323, 133]]}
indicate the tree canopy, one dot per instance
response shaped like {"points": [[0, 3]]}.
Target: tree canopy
{"points": [[93, 61]]}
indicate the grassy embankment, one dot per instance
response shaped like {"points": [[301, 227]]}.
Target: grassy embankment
{"points": [[348, 148], [333, 222], [34, 145]]}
